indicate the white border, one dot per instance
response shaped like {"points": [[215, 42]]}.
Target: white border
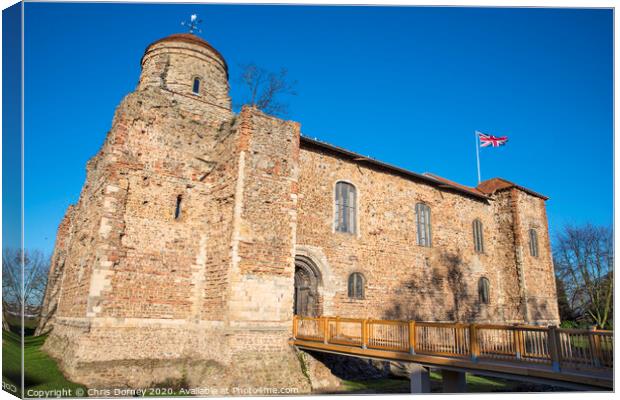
{"points": [[478, 3]]}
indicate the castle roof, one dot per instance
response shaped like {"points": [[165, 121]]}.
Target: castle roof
{"points": [[448, 183], [498, 184], [482, 191], [192, 39]]}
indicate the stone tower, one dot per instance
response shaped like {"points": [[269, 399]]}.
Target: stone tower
{"points": [[176, 61], [177, 262]]}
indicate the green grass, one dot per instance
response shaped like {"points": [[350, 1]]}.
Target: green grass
{"points": [[15, 321], [478, 384], [11, 363], [386, 385], [475, 384], [41, 372]]}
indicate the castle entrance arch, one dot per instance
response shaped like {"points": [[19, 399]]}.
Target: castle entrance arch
{"points": [[307, 281]]}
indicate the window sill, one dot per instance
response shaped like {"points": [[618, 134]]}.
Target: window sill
{"points": [[348, 234]]}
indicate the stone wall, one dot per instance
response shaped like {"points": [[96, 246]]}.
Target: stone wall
{"points": [[513, 292], [404, 280], [55, 274], [162, 263], [264, 221], [539, 278]]}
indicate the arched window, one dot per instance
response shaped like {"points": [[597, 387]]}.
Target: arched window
{"points": [[177, 210], [423, 221], [356, 286], [478, 237], [346, 215], [196, 86], [484, 290], [533, 243]]}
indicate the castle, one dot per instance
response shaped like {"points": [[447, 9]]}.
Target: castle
{"points": [[199, 232]]}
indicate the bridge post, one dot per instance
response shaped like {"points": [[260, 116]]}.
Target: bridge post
{"points": [[295, 317], [553, 343], [474, 350], [419, 379], [325, 329], [518, 340], [364, 334], [411, 337], [595, 346], [453, 381]]}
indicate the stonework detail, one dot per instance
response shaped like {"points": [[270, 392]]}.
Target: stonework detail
{"points": [[405, 280], [178, 261]]}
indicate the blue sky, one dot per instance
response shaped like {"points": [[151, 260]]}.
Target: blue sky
{"points": [[11, 128], [406, 85]]}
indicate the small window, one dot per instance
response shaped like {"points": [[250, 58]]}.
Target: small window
{"points": [[177, 210], [483, 290], [196, 86], [478, 237], [533, 243], [423, 221], [356, 286], [346, 215]]}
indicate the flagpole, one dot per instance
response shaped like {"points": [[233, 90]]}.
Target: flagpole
{"points": [[477, 154]]}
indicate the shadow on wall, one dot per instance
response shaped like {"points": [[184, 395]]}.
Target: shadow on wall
{"points": [[352, 368], [539, 310], [441, 293]]}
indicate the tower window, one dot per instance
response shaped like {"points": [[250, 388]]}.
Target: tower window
{"points": [[196, 86], [533, 243], [346, 215], [483, 290], [423, 221], [356, 286], [478, 238], [177, 210]]}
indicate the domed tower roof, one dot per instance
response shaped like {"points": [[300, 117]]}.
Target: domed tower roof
{"points": [[188, 38]]}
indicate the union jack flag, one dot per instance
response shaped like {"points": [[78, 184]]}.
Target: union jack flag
{"points": [[494, 141]]}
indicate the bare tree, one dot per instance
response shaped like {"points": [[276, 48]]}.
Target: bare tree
{"points": [[584, 261], [565, 307], [23, 292], [265, 87]]}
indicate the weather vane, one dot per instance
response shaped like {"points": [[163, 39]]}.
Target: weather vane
{"points": [[192, 24]]}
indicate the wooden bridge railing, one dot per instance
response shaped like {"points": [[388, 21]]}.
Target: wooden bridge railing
{"points": [[558, 348]]}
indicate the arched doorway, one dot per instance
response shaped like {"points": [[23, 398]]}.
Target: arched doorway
{"points": [[307, 280]]}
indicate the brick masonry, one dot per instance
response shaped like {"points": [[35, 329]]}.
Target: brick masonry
{"points": [[178, 260]]}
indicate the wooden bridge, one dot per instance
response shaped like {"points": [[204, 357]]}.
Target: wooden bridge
{"points": [[566, 357]]}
